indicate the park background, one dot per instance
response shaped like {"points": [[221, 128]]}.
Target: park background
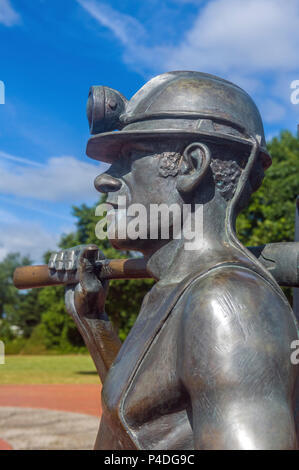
{"points": [[51, 53]]}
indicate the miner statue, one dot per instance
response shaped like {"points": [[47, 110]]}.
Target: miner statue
{"points": [[207, 363]]}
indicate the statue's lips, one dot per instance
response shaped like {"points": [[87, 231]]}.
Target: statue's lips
{"points": [[119, 202], [113, 204], [111, 213]]}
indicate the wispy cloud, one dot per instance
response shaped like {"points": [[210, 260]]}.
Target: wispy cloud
{"points": [[8, 16], [253, 43], [61, 179], [40, 188], [273, 111], [126, 28], [24, 237], [228, 35], [29, 206], [14, 158]]}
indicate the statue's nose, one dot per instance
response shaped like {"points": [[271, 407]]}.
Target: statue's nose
{"points": [[105, 183]]}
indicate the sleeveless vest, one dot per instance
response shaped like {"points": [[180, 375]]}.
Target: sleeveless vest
{"points": [[115, 431]]}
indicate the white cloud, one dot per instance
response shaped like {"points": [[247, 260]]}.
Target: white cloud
{"points": [[126, 28], [8, 16], [254, 44], [272, 111], [251, 84], [255, 35], [129, 31], [24, 237], [7, 216], [226, 36], [32, 206], [26, 161], [63, 179]]}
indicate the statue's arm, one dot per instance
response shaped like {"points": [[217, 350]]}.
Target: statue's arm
{"points": [[96, 329], [85, 302], [234, 363]]}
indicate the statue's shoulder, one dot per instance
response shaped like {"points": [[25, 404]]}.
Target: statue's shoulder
{"points": [[231, 314], [229, 289]]}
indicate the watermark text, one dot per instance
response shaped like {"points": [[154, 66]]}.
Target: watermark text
{"points": [[2, 92], [295, 93], [157, 221]]}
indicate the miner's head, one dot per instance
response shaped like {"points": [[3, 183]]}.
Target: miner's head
{"points": [[149, 174], [185, 138]]}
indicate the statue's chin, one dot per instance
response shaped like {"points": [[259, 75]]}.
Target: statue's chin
{"points": [[124, 244], [146, 247]]}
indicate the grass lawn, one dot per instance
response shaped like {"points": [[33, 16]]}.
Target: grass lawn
{"points": [[72, 369]]}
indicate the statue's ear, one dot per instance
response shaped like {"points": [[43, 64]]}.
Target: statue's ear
{"points": [[194, 165]]}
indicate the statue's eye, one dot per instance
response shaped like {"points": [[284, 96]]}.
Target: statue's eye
{"points": [[126, 153], [128, 156], [132, 154]]}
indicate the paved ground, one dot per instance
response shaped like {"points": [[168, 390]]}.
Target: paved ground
{"points": [[49, 416], [32, 429], [4, 445]]}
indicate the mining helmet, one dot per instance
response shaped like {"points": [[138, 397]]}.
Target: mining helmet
{"points": [[176, 104]]}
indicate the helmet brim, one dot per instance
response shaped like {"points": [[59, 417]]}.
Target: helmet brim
{"points": [[106, 147]]}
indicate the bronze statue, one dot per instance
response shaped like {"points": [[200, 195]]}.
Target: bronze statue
{"points": [[207, 363]]}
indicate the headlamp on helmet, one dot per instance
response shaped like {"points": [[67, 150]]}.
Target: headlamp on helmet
{"points": [[104, 106]]}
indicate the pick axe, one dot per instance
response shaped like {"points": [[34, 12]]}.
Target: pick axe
{"points": [[281, 259]]}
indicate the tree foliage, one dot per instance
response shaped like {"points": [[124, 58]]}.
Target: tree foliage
{"points": [[16, 310], [270, 215], [8, 293]]}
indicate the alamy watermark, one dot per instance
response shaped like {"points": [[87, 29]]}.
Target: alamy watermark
{"points": [[295, 94], [2, 352], [159, 221], [2, 92], [295, 353]]}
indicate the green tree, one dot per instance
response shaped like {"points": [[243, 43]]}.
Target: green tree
{"points": [[270, 215], [59, 330], [11, 312], [25, 312], [8, 293]]}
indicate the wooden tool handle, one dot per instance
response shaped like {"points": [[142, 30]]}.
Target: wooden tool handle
{"points": [[281, 259], [28, 277]]}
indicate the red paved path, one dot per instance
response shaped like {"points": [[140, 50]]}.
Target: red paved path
{"points": [[76, 398], [4, 445]]}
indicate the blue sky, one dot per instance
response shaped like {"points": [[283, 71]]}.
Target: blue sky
{"points": [[53, 51]]}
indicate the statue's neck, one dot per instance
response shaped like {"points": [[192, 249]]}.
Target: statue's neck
{"points": [[212, 245]]}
